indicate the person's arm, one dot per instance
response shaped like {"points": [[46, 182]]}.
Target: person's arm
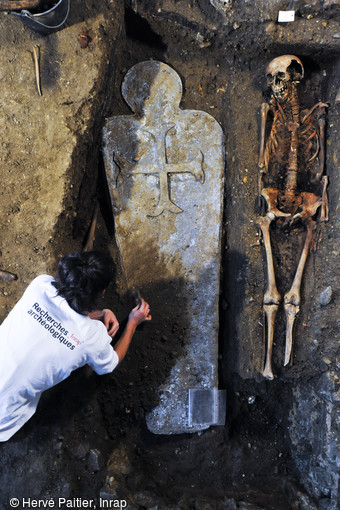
{"points": [[137, 315]]}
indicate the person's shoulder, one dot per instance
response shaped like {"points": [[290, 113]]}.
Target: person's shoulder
{"points": [[42, 279], [38, 286]]}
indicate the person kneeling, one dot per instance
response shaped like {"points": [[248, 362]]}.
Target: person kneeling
{"points": [[55, 328]]}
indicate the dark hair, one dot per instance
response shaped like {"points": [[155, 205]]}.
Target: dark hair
{"points": [[82, 277]]}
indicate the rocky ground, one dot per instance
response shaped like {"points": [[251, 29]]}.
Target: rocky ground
{"points": [[88, 438]]}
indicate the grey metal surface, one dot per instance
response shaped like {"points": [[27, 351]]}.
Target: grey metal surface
{"points": [[207, 406]]}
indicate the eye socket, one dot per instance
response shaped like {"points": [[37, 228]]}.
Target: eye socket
{"points": [[269, 77], [281, 75]]}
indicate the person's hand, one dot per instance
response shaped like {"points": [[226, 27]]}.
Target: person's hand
{"points": [[140, 313], [110, 322]]}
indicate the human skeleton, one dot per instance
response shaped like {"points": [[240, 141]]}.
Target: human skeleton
{"points": [[291, 183]]}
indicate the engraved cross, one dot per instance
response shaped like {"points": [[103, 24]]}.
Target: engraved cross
{"points": [[164, 169]]}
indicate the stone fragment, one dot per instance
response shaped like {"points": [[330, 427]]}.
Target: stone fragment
{"points": [[313, 428], [119, 463], [305, 503], [94, 460], [80, 451], [164, 167], [324, 504], [326, 296], [111, 500], [146, 499], [229, 504]]}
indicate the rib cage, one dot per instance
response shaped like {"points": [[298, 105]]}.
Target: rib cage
{"points": [[277, 149]]}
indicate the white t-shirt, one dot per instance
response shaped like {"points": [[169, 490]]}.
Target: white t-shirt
{"points": [[42, 341]]}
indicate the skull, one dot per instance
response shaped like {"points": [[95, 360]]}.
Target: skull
{"points": [[281, 73]]}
